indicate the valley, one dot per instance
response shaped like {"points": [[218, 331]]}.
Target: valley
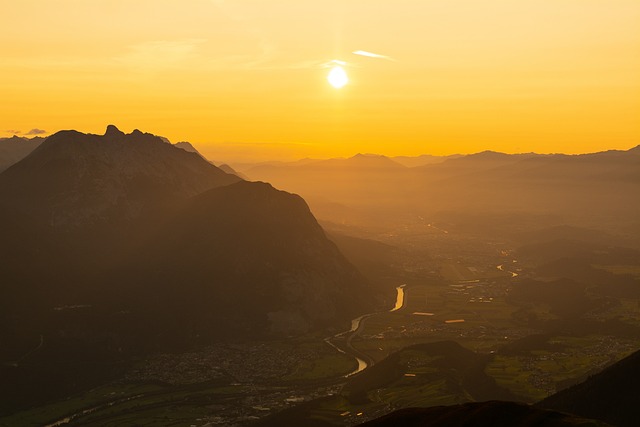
{"points": [[191, 296], [527, 351]]}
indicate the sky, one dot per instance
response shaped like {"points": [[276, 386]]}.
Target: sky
{"points": [[246, 79]]}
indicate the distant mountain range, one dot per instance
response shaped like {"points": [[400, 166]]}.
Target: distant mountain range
{"points": [[186, 146], [370, 189], [588, 189], [117, 245], [593, 190], [14, 149]]}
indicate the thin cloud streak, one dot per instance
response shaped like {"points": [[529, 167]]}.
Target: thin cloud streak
{"points": [[372, 55], [267, 50], [162, 53], [333, 63]]}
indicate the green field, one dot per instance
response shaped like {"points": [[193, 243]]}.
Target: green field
{"points": [[539, 373], [128, 402]]}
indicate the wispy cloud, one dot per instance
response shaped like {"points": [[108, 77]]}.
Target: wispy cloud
{"points": [[372, 55], [333, 63], [32, 132], [266, 144], [267, 50], [160, 53]]}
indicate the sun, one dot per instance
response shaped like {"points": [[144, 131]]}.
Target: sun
{"points": [[337, 77]]}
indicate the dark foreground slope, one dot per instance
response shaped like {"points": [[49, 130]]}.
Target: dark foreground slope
{"points": [[245, 258], [489, 414], [462, 372], [612, 395], [119, 245], [417, 375], [608, 398]]}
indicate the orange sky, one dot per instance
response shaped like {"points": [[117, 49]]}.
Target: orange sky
{"points": [[245, 79]]}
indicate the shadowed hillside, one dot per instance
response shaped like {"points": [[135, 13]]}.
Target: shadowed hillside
{"points": [[489, 414], [611, 395]]}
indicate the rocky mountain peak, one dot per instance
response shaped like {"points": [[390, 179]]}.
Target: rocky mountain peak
{"points": [[113, 131], [75, 180]]}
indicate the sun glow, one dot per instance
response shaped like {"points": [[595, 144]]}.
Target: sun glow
{"points": [[543, 76], [337, 77]]}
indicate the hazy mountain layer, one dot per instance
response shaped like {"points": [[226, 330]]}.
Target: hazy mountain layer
{"points": [[14, 149], [592, 189]]}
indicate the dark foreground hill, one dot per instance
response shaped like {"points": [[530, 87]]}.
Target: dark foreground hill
{"points": [[484, 414], [608, 398], [417, 375], [119, 245], [462, 372], [249, 254], [612, 395]]}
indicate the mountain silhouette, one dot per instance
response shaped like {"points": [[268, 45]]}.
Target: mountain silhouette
{"points": [[118, 245], [73, 179], [186, 146], [158, 217]]}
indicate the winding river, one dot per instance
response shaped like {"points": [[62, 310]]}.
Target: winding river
{"points": [[357, 324]]}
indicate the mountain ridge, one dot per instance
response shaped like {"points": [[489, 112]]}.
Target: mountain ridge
{"points": [[99, 177], [122, 245]]}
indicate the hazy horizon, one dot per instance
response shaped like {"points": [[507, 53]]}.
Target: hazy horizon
{"points": [[256, 152]]}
